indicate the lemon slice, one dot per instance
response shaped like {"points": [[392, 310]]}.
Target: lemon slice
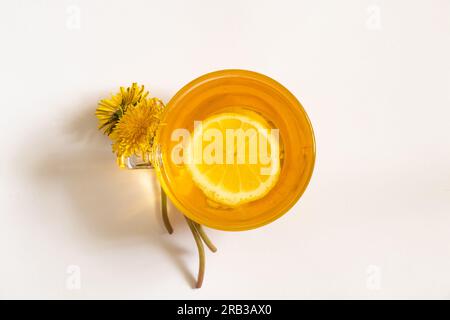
{"points": [[234, 158]]}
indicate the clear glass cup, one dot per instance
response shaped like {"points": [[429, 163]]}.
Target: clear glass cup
{"points": [[237, 91]]}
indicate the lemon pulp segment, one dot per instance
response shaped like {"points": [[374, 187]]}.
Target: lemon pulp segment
{"points": [[234, 172]]}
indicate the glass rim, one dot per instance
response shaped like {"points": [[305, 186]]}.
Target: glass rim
{"points": [[230, 73]]}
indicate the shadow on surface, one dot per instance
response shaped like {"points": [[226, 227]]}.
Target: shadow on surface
{"points": [[113, 206]]}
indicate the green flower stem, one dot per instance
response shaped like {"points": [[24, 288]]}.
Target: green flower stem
{"points": [[205, 237], [199, 234], [201, 252], [144, 165], [165, 216]]}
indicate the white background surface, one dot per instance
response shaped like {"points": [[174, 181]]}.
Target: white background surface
{"points": [[374, 76]]}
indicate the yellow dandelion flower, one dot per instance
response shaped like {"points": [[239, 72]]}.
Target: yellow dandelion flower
{"points": [[135, 131], [110, 111]]}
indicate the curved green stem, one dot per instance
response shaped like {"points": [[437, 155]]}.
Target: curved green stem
{"points": [[165, 216], [201, 252], [205, 237]]}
